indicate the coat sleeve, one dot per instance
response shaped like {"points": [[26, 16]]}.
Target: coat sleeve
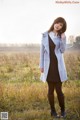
{"points": [[41, 64], [63, 45]]}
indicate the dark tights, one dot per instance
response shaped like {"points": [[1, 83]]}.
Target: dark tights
{"points": [[58, 87]]}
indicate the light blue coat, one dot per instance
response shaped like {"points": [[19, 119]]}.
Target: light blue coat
{"points": [[45, 56]]}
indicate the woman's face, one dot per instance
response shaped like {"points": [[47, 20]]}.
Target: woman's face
{"points": [[58, 26]]}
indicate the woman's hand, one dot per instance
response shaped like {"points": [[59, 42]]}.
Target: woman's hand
{"points": [[42, 70], [63, 36]]}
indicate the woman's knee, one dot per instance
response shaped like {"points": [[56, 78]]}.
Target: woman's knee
{"points": [[60, 93], [50, 89], [50, 93]]}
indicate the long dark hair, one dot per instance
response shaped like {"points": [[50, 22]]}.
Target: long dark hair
{"points": [[59, 20]]}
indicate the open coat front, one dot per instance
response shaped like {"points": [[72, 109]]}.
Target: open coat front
{"points": [[45, 56]]}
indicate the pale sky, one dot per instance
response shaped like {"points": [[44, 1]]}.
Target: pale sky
{"points": [[24, 21]]}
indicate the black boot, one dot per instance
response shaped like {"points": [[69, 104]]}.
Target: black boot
{"points": [[63, 114], [54, 114]]}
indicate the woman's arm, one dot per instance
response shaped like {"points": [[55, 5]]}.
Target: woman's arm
{"points": [[63, 43]]}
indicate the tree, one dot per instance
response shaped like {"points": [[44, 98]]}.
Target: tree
{"points": [[78, 40]]}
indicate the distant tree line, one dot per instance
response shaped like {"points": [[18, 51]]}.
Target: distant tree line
{"points": [[76, 44], [77, 40]]}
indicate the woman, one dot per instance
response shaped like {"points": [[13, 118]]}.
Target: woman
{"points": [[52, 64]]}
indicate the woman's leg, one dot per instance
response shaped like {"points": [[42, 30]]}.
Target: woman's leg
{"points": [[60, 96], [51, 95], [51, 99]]}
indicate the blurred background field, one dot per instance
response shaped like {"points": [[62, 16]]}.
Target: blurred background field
{"points": [[24, 96]]}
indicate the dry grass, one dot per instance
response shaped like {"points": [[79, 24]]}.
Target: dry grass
{"points": [[28, 101], [25, 97], [72, 60]]}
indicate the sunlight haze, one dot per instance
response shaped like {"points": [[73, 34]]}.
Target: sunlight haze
{"points": [[23, 21]]}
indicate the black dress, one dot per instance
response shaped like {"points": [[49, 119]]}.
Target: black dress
{"points": [[53, 73]]}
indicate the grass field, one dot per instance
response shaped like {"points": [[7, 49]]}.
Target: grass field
{"points": [[24, 96]]}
